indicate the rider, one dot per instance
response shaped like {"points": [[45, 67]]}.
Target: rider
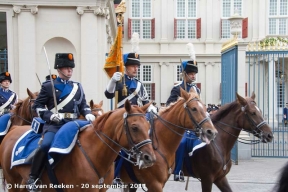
{"points": [[71, 103], [136, 92], [189, 75], [52, 75], [8, 98]]}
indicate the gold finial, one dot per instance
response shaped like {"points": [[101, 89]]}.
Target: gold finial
{"points": [[120, 9]]}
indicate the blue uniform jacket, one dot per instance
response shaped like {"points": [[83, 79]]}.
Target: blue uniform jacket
{"points": [[131, 84], [4, 97], [285, 113], [175, 92], [62, 89]]}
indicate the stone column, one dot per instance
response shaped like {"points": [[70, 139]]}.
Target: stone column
{"points": [[241, 68], [27, 48], [164, 45], [255, 21], [209, 45], [93, 49], [209, 85], [262, 17], [272, 91]]}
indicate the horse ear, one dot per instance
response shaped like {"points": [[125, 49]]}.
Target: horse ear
{"points": [[127, 106], [253, 95], [192, 90], [101, 103], [184, 94], [29, 93], [241, 100], [91, 103], [145, 107]]}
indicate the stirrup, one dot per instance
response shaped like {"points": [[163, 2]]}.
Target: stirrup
{"points": [[117, 181], [32, 186], [181, 176]]}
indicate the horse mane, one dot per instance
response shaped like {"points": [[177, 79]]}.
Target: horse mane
{"points": [[100, 121], [223, 111], [17, 108]]}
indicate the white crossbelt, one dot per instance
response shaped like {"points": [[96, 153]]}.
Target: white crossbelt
{"points": [[7, 102], [130, 96], [67, 99]]}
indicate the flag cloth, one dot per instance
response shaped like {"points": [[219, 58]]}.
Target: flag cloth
{"points": [[115, 57]]}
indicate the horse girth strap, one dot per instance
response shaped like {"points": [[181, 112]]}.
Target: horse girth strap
{"points": [[101, 179]]}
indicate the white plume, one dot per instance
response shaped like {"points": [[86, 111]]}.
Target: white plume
{"points": [[135, 42], [191, 51]]}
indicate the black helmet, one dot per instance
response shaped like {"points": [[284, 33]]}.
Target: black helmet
{"points": [[131, 59], [190, 66], [5, 76], [64, 60]]}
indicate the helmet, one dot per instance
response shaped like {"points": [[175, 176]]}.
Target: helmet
{"points": [[5, 76], [131, 59], [64, 60]]}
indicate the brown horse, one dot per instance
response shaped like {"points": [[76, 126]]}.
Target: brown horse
{"points": [[188, 113], [125, 127], [23, 113], [212, 163], [96, 108]]}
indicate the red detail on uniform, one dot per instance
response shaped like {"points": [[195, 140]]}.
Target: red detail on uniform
{"points": [[198, 27], [153, 28], [245, 28], [129, 28]]}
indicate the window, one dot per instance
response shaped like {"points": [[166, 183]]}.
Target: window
{"points": [[178, 72], [141, 20], [278, 17], [145, 76], [185, 20], [229, 8]]}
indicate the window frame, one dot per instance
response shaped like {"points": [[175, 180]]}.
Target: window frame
{"points": [[277, 17], [226, 18], [186, 18], [141, 19]]}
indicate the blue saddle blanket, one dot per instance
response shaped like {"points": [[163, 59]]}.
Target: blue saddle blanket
{"points": [[63, 142], [5, 124]]}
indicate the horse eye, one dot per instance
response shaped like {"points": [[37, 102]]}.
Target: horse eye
{"points": [[194, 109], [253, 113], [134, 128]]}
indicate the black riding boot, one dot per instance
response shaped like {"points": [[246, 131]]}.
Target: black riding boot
{"points": [[38, 163]]}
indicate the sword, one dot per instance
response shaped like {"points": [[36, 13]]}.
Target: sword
{"points": [[38, 79], [52, 83], [183, 75]]}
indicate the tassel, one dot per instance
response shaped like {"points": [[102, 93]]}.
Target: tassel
{"points": [[124, 90]]}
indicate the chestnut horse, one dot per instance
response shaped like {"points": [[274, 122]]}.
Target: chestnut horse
{"points": [[23, 113], [188, 113], [96, 108], [88, 164], [212, 163]]}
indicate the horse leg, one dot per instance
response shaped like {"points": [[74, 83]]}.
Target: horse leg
{"points": [[206, 185], [223, 184]]}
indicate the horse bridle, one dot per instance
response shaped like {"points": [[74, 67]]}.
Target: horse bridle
{"points": [[188, 110], [96, 109], [134, 152], [30, 111]]}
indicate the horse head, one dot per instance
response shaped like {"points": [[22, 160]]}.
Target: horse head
{"points": [[253, 120], [96, 108], [129, 128], [198, 119], [23, 113]]}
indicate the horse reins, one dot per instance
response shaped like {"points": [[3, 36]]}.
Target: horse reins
{"points": [[134, 151]]}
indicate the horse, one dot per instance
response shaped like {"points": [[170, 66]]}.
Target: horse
{"points": [[87, 165], [187, 113], [23, 114], [96, 108], [282, 185], [211, 163]]}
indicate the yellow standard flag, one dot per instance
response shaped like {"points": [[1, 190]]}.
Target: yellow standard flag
{"points": [[115, 57]]}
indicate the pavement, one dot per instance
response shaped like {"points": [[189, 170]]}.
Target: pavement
{"points": [[255, 175]]}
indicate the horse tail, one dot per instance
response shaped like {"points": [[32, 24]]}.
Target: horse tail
{"points": [[282, 181]]}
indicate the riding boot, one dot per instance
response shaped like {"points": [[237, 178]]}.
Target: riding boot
{"points": [[38, 163]]}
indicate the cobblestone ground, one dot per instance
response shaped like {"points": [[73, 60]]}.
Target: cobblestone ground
{"points": [[255, 175]]}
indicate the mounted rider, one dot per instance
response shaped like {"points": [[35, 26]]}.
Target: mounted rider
{"points": [[189, 71], [8, 98], [71, 102]]}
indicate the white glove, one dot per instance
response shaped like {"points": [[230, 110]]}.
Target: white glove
{"points": [[152, 108], [116, 76], [56, 118], [112, 83], [90, 117]]}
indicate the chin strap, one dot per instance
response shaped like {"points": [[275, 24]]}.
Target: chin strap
{"points": [[63, 73]]}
